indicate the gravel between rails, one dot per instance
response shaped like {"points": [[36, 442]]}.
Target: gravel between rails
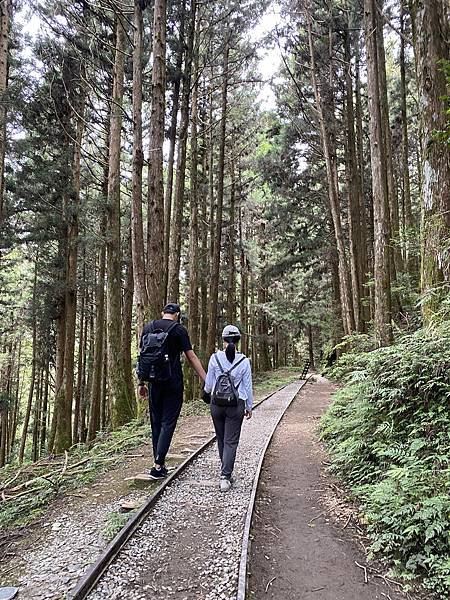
{"points": [[189, 547]]}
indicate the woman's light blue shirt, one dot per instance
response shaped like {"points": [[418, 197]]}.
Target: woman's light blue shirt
{"points": [[242, 376]]}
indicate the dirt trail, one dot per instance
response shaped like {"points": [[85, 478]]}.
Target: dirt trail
{"points": [[305, 545]]}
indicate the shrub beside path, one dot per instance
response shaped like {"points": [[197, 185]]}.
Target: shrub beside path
{"points": [[307, 542]]}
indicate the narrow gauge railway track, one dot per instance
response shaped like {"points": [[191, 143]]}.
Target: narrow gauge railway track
{"points": [[189, 541]]}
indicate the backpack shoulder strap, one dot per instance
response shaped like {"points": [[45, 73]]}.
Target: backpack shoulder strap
{"points": [[144, 333], [171, 326], [236, 364], [218, 363], [151, 328]]}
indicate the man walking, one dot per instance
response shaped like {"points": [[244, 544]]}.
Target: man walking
{"points": [[162, 343]]}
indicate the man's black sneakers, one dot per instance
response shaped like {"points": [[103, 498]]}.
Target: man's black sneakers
{"points": [[158, 473]]}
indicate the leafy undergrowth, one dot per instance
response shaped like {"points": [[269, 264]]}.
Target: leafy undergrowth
{"points": [[27, 490], [388, 432], [116, 520]]}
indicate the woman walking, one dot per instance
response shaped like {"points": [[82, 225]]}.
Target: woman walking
{"points": [[229, 382]]}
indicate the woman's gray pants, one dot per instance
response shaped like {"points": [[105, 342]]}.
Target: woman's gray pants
{"points": [[227, 423]]}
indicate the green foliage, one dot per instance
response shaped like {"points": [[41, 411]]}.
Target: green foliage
{"points": [[45, 480], [388, 431], [116, 520]]}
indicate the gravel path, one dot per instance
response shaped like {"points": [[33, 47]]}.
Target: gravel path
{"points": [[49, 558], [189, 548], [73, 543]]}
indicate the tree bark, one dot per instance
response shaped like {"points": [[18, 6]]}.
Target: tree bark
{"points": [[194, 225], [383, 328], [155, 227], [231, 291], [396, 264], [364, 231], [82, 333], [216, 241], [127, 322], [137, 228], [26, 420], [406, 187], [5, 19], [173, 288], [95, 394], [64, 399], [119, 396], [172, 144], [333, 194], [244, 287], [353, 190], [431, 27]]}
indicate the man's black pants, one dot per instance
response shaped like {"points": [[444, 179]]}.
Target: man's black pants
{"points": [[166, 400]]}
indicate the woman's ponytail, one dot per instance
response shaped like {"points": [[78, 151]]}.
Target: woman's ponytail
{"points": [[230, 351]]}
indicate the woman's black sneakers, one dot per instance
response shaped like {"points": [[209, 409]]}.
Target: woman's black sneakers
{"points": [[158, 473]]}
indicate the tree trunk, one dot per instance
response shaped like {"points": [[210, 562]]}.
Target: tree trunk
{"points": [[333, 194], [204, 256], [382, 290], [119, 396], [64, 399], [194, 226], [231, 291], [83, 323], [26, 420], [137, 228], [431, 27], [43, 432], [5, 18], [353, 189], [364, 239], [155, 228], [173, 288], [406, 187], [244, 288], [215, 266], [311, 347], [37, 417], [172, 144], [87, 372], [95, 400], [127, 321], [396, 264]]}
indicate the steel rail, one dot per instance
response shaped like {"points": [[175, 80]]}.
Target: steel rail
{"points": [[88, 581], [246, 541]]}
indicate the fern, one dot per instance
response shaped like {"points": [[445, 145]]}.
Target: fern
{"points": [[388, 432]]}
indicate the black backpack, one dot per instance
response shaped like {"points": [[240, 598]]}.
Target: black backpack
{"points": [[153, 364], [225, 393]]}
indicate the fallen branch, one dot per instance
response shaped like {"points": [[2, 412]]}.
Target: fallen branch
{"points": [[348, 521], [314, 518], [366, 580], [66, 460], [8, 483], [269, 583]]}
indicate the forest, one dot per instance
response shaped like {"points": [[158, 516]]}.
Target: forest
{"points": [[139, 165]]}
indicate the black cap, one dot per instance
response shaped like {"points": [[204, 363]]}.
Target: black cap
{"points": [[172, 308]]}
